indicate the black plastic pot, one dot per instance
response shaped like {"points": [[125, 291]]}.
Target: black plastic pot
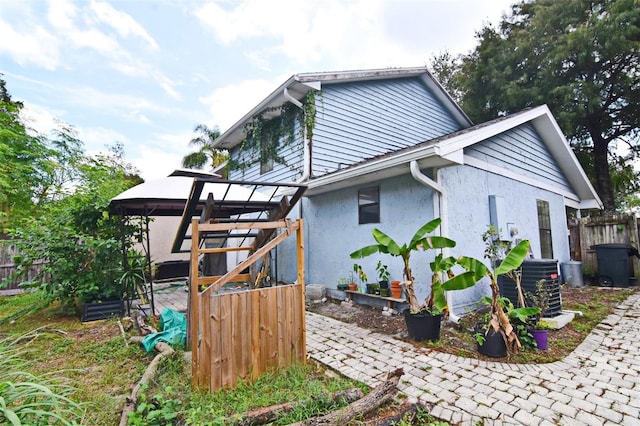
{"points": [[423, 326], [494, 345]]}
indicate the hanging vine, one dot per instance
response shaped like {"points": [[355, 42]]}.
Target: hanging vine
{"points": [[265, 139]]}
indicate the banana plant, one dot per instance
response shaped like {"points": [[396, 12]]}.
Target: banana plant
{"points": [[440, 267], [387, 245], [499, 320]]}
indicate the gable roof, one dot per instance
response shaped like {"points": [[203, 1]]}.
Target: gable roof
{"points": [[448, 150], [296, 87]]}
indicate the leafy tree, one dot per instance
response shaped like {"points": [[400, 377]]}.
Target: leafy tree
{"points": [[206, 153], [35, 169], [24, 158], [446, 68], [581, 58], [78, 237]]}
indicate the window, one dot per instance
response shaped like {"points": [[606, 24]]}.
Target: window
{"points": [[544, 226], [369, 205]]}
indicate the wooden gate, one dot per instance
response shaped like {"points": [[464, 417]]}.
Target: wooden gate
{"points": [[241, 335]]}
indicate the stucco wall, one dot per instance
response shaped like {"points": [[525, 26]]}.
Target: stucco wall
{"points": [[332, 230], [468, 190]]}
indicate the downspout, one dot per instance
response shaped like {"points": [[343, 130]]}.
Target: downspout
{"points": [[440, 210], [306, 168], [306, 160]]}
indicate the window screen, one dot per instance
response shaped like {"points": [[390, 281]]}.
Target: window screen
{"points": [[544, 226], [369, 205]]}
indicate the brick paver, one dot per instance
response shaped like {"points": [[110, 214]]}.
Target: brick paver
{"points": [[599, 383]]}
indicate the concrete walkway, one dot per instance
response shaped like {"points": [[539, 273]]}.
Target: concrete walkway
{"points": [[598, 384]]}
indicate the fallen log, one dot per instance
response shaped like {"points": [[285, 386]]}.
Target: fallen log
{"points": [[379, 396], [264, 415], [130, 405]]}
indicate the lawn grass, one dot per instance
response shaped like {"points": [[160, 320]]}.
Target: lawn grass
{"points": [[94, 358]]}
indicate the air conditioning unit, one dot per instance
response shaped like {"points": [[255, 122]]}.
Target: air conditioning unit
{"points": [[534, 270]]}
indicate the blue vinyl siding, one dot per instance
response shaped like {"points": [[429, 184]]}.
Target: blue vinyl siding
{"points": [[521, 150], [290, 171], [357, 121]]}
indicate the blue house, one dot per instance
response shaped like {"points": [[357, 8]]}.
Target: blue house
{"points": [[390, 149]]}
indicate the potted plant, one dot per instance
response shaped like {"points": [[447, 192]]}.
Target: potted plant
{"points": [[423, 320], [540, 328], [540, 333], [373, 288], [383, 278], [498, 321], [361, 275], [343, 284]]}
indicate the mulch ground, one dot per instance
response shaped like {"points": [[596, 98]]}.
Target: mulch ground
{"points": [[458, 338]]}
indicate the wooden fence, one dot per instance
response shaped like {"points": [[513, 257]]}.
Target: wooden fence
{"points": [[8, 268], [587, 232], [242, 335]]}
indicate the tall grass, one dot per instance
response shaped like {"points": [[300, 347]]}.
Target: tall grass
{"points": [[27, 399]]}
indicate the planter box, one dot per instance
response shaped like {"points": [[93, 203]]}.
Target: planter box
{"points": [[102, 310]]}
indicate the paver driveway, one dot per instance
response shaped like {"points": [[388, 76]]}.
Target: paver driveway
{"points": [[598, 384]]}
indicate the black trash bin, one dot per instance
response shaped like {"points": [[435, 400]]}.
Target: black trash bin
{"points": [[614, 265]]}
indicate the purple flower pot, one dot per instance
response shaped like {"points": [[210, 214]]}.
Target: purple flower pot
{"points": [[542, 338]]}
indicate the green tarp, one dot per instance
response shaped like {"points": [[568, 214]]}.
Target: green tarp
{"points": [[174, 330]]}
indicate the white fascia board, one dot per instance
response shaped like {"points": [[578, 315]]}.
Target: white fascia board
{"points": [[389, 166], [583, 205], [234, 135], [548, 129], [443, 96], [557, 144]]}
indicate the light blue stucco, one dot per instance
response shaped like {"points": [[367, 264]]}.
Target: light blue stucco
{"points": [[332, 231], [468, 190]]}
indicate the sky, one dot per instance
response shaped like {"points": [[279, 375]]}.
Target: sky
{"points": [[144, 73]]}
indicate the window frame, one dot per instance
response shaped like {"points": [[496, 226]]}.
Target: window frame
{"points": [[544, 229], [369, 211]]}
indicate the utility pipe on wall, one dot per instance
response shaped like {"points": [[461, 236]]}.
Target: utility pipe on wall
{"points": [[440, 210], [306, 160], [306, 167]]}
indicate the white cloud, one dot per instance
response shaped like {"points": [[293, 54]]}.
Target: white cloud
{"points": [[154, 163], [64, 33], [229, 104], [129, 107], [123, 23], [36, 46], [352, 34], [40, 119], [97, 138]]}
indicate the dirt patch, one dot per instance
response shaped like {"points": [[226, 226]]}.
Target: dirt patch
{"points": [[457, 339]]}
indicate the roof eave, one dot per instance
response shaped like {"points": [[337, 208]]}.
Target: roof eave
{"points": [[299, 84], [382, 168]]}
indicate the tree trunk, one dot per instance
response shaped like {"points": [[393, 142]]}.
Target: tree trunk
{"points": [[263, 415], [602, 173], [377, 397]]}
